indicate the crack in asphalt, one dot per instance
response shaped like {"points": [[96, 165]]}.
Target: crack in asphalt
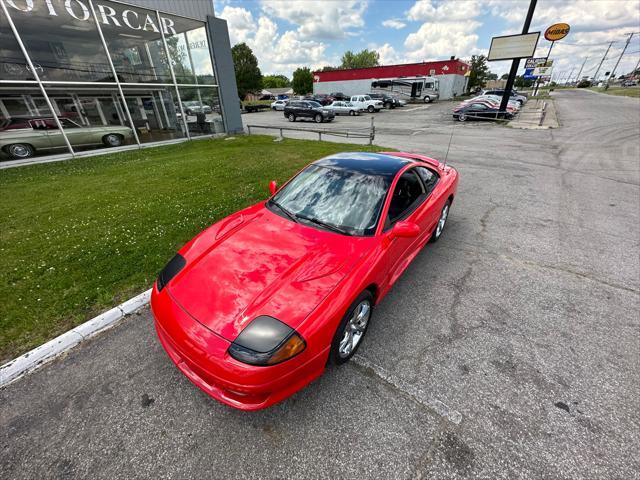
{"points": [[413, 392]]}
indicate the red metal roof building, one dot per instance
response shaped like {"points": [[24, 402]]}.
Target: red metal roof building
{"points": [[451, 76]]}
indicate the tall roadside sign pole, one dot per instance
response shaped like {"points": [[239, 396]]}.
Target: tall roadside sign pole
{"points": [[555, 32], [516, 61], [613, 72], [595, 75]]}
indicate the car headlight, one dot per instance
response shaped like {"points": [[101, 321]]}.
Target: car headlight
{"points": [[266, 341], [170, 270]]}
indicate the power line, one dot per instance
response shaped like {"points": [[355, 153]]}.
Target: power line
{"points": [[619, 58]]}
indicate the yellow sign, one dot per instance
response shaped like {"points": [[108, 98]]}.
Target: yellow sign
{"points": [[557, 32]]}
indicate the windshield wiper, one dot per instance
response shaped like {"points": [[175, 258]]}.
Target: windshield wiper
{"points": [[284, 210], [328, 226]]}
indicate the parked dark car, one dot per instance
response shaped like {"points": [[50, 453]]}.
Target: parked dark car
{"points": [[339, 96], [387, 100], [267, 96], [477, 110], [321, 98], [307, 109]]}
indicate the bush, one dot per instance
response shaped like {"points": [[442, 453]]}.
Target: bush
{"points": [[584, 84]]}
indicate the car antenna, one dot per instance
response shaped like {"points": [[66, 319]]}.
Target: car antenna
{"points": [[449, 146]]}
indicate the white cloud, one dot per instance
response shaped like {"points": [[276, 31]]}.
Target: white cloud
{"points": [[277, 53], [322, 20], [437, 41], [394, 23], [388, 54], [452, 11]]}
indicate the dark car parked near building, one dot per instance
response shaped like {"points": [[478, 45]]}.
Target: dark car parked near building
{"points": [[341, 97], [307, 109], [387, 100]]}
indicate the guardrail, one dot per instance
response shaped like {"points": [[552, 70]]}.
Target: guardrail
{"points": [[367, 133]]}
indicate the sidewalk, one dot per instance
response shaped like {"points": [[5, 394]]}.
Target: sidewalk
{"points": [[536, 115]]}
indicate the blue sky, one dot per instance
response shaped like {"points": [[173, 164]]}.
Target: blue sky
{"points": [[286, 34]]}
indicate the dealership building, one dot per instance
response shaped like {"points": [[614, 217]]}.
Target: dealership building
{"points": [[450, 77], [81, 75]]}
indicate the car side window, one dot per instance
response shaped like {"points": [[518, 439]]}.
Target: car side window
{"points": [[407, 196], [429, 179], [478, 106]]}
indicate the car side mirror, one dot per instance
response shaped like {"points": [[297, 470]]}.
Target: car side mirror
{"points": [[404, 229], [273, 187]]}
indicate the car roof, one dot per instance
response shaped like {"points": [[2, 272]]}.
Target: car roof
{"points": [[366, 163]]}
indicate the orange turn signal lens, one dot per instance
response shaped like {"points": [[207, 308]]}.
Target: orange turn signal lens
{"points": [[291, 348]]}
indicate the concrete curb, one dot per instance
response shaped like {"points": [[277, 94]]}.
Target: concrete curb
{"points": [[16, 368]]}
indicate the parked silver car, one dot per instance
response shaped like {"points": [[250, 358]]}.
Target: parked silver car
{"points": [[22, 137], [344, 108]]}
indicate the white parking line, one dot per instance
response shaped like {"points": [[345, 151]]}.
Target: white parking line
{"points": [[412, 391], [422, 107]]}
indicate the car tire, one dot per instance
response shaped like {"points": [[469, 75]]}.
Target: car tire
{"points": [[188, 112], [371, 109], [317, 118], [427, 99], [352, 329], [112, 140], [291, 117], [352, 112], [19, 151], [442, 222], [462, 117], [273, 108]]}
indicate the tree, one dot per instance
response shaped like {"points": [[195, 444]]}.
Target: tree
{"points": [[505, 77], [302, 81], [328, 68], [275, 81], [492, 76], [364, 59], [248, 75], [479, 72], [521, 82]]}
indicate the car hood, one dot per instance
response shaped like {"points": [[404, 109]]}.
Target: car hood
{"points": [[258, 263]]}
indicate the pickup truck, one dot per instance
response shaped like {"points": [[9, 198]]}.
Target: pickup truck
{"points": [[256, 107], [365, 102]]}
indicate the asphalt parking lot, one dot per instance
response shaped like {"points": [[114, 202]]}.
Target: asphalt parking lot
{"points": [[509, 349]]}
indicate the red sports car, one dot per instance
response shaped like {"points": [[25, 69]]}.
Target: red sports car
{"points": [[254, 307]]}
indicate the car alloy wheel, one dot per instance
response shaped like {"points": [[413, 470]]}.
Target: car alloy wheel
{"points": [[462, 117], [112, 140], [292, 117], [441, 222], [370, 108], [20, 150], [352, 329], [318, 118], [352, 112]]}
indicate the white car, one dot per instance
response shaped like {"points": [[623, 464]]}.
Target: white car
{"points": [[344, 108], [279, 105], [365, 102]]}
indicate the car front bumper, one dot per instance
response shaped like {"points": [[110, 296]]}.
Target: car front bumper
{"points": [[202, 357]]}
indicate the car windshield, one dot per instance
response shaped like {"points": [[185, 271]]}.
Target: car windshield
{"points": [[335, 199], [315, 104]]}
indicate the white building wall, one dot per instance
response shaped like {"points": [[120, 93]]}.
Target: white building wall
{"points": [[449, 84]]}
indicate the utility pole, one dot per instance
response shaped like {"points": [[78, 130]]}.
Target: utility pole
{"points": [[566, 80], [595, 76], [581, 67], [516, 62], [619, 58]]}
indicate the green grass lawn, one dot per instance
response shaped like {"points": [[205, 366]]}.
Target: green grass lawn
{"points": [[619, 91], [81, 236]]}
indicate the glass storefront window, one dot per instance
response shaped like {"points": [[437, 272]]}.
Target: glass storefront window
{"points": [[65, 47], [188, 50], [134, 41], [62, 39], [13, 65], [202, 109]]}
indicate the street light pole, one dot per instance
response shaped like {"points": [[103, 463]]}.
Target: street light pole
{"points": [[516, 62], [619, 58]]}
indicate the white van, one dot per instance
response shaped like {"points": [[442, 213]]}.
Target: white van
{"points": [[365, 102]]}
